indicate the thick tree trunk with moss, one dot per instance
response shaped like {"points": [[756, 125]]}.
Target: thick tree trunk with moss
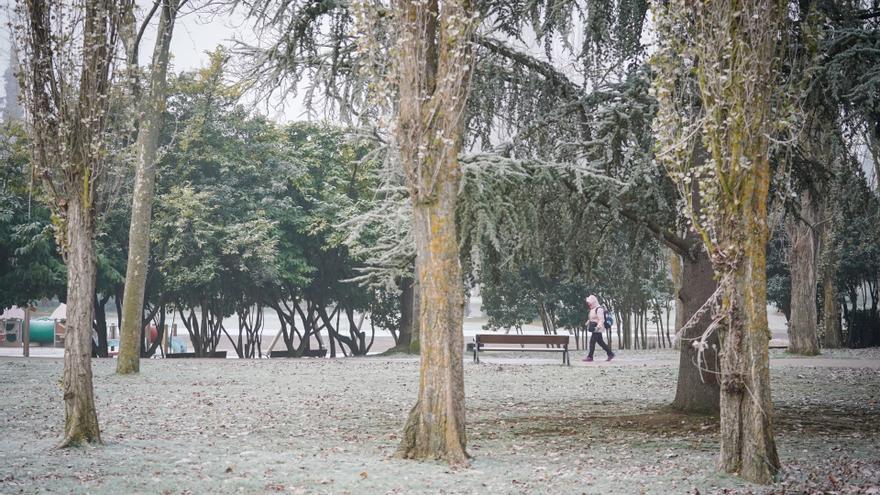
{"points": [[434, 60], [142, 199], [832, 336], [80, 418], [697, 386], [747, 443], [436, 426], [803, 258], [731, 52]]}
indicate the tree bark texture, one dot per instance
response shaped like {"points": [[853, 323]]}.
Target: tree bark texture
{"points": [[747, 443], [407, 316], [697, 389], [832, 333], [436, 426], [142, 198], [80, 418], [730, 50], [675, 269], [414, 339], [803, 265], [748, 446], [434, 61]]}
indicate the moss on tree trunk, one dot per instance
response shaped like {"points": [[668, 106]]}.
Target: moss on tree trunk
{"points": [[726, 55], [436, 424], [747, 443], [831, 328], [434, 61]]}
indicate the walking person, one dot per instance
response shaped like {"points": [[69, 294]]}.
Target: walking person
{"points": [[596, 325]]}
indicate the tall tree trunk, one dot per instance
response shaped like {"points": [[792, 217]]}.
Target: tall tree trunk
{"points": [[831, 329], [747, 443], [802, 332], [436, 425], [618, 325], [697, 387], [434, 62], [731, 50], [80, 418], [873, 140], [659, 328], [142, 198], [407, 317], [833, 334], [67, 130], [101, 324], [415, 336], [117, 301]]}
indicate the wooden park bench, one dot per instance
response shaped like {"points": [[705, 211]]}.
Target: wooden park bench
{"points": [[556, 343], [183, 355], [306, 353]]}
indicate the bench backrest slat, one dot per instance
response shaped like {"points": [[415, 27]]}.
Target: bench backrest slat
{"points": [[491, 338]]}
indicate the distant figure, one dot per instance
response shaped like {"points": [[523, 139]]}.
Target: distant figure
{"points": [[596, 327]]}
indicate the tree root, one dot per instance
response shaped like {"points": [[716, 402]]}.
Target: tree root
{"points": [[73, 440], [421, 442], [399, 349]]}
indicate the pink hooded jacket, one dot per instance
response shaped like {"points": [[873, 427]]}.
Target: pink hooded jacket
{"points": [[597, 314]]}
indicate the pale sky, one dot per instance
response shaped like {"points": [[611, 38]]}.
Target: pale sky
{"points": [[195, 34]]}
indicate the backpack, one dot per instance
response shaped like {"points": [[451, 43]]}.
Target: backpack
{"points": [[609, 318]]}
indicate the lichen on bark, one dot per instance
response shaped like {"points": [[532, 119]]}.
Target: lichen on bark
{"points": [[716, 84], [433, 62]]}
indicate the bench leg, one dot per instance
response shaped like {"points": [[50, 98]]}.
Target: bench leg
{"points": [[566, 359]]}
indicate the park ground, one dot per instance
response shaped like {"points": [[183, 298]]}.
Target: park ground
{"points": [[332, 426]]}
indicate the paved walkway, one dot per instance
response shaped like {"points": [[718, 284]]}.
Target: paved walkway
{"points": [[52, 352], [669, 359], [650, 359], [664, 359]]}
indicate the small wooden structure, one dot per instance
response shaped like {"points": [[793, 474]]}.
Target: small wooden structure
{"points": [[12, 325], [59, 316]]}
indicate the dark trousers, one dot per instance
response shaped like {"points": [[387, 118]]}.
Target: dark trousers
{"points": [[597, 338]]}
